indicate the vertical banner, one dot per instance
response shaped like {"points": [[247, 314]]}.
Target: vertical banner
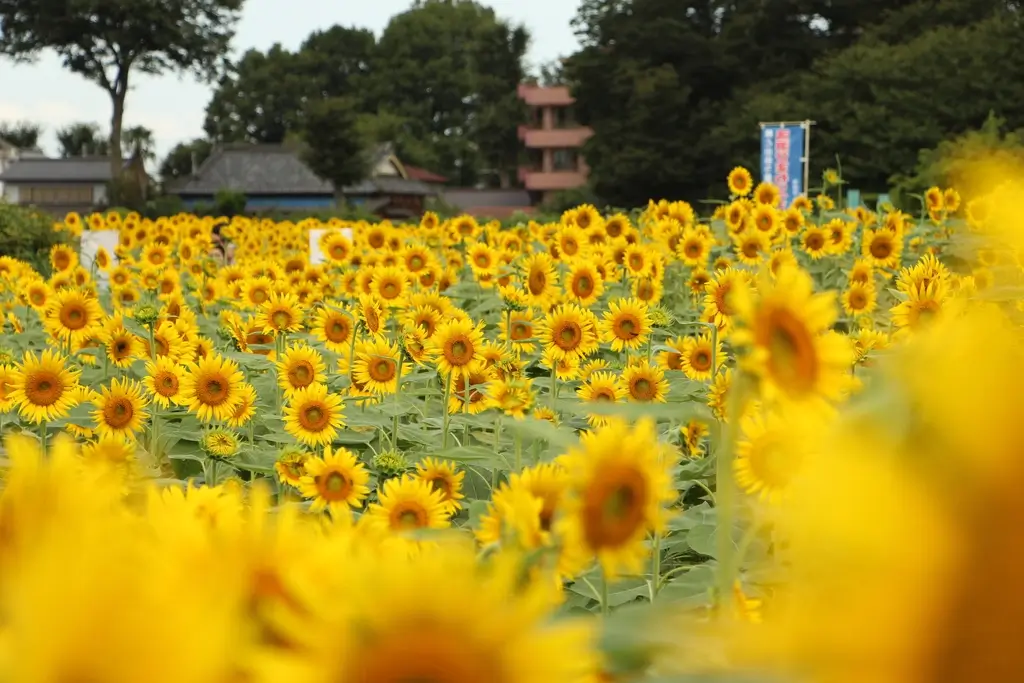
{"points": [[316, 256], [783, 158], [90, 243]]}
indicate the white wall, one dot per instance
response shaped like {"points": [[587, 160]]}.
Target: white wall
{"points": [[11, 193], [99, 194]]}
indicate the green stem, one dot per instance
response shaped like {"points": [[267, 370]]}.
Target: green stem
{"points": [[554, 385], [604, 593], [656, 567], [398, 386], [446, 420], [725, 486], [152, 343], [42, 436]]}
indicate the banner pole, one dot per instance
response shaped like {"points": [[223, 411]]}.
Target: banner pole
{"points": [[807, 159]]}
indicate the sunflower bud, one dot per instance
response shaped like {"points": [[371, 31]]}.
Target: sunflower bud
{"points": [[659, 317], [390, 463], [7, 356], [146, 315], [220, 443]]}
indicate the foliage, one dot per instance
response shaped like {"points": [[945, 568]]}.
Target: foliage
{"points": [[559, 202], [184, 158], [21, 134], [81, 140], [27, 234], [105, 40], [334, 150], [675, 90], [229, 203], [950, 163]]}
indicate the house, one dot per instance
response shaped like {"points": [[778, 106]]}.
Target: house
{"points": [[276, 177], [552, 140], [58, 186], [488, 203], [10, 154], [424, 176]]}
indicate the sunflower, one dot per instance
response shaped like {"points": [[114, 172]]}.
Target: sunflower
{"points": [[211, 388], [933, 199], [644, 383], [698, 281], [766, 193], [569, 331], [815, 241], [281, 312], [220, 443], [73, 316], [245, 409], [109, 450], [336, 247], [693, 434], [456, 347], [740, 182], [313, 415], [694, 248], [540, 280], [840, 236], [43, 387], [767, 456], [951, 200], [390, 285], [518, 331], [637, 260], [337, 481], [333, 327], [600, 387], [290, 465], [783, 329], [923, 304], [584, 284], [372, 314], [474, 386], [719, 308], [882, 248], [375, 366], [621, 483], [163, 381], [751, 246], [300, 366], [648, 290], [37, 294], [626, 324], [122, 347], [63, 258], [7, 385], [859, 298], [862, 272], [409, 503], [120, 409], [443, 476], [700, 358]]}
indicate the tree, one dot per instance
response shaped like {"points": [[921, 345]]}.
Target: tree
{"points": [[259, 100], [184, 157], [499, 69], [105, 40], [334, 148], [82, 140], [140, 142], [22, 134]]}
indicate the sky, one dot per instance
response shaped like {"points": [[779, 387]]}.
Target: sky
{"points": [[173, 107]]}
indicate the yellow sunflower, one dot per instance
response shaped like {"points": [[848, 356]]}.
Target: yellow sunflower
{"points": [[122, 347], [443, 476], [120, 409], [768, 457], [766, 193], [63, 258], [700, 358], [390, 285], [43, 387], [7, 383], [406, 504], [600, 387], [163, 381], [740, 182], [333, 327], [859, 298], [584, 284], [456, 347], [300, 366], [73, 316], [621, 485], [313, 415], [569, 331], [290, 465], [211, 388], [644, 383], [626, 324], [540, 281], [372, 314], [336, 482], [719, 308], [882, 248], [376, 366], [519, 330], [815, 241], [474, 387], [280, 313]]}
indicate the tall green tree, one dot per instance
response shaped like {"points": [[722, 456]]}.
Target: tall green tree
{"points": [[183, 157], [139, 141], [334, 148], [81, 140], [107, 40], [21, 134]]}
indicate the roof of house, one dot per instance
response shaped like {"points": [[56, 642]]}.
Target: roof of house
{"points": [[467, 198], [254, 170], [74, 170], [389, 185], [422, 174]]}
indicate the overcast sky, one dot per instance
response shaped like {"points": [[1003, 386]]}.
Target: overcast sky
{"points": [[173, 108]]}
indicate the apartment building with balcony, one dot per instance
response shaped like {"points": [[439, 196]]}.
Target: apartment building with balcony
{"points": [[553, 140]]}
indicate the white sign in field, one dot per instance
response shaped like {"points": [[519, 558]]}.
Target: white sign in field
{"points": [[316, 256], [91, 242]]}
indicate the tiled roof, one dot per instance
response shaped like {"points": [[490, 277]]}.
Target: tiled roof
{"points": [[417, 173], [253, 170], [468, 198], [80, 170], [389, 185]]}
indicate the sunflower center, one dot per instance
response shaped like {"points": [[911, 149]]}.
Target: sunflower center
{"points": [[213, 391], [258, 296], [443, 485], [751, 249], [569, 246], [337, 252], [521, 331], [583, 285], [627, 328], [692, 249], [613, 507], [857, 300], [537, 282], [281, 319], [43, 389], [569, 336], [793, 359], [382, 370], [722, 299], [604, 395], [336, 486], [167, 385], [815, 241], [700, 360], [121, 348], [314, 418], [118, 413], [673, 360], [644, 290], [881, 248], [642, 389], [301, 374], [390, 290], [408, 516], [337, 331], [636, 261], [459, 352], [415, 262]]}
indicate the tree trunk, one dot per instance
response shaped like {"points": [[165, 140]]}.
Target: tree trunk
{"points": [[118, 96]]}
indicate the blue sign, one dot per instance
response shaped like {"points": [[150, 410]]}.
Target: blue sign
{"points": [[782, 159]]}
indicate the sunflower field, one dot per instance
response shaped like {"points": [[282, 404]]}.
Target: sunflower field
{"points": [[767, 443]]}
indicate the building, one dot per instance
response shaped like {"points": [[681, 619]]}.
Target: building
{"points": [[552, 139], [58, 186], [276, 177], [488, 203]]}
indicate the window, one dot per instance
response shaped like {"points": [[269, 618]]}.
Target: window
{"points": [[564, 159], [536, 117], [565, 117], [55, 194]]}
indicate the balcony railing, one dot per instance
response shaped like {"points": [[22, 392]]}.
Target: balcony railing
{"points": [[555, 180], [559, 137]]}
